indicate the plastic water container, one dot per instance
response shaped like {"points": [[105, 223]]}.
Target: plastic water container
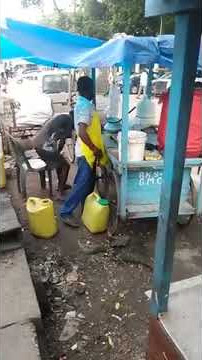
{"points": [[136, 145], [96, 213], [42, 221], [2, 168], [146, 113], [114, 101]]}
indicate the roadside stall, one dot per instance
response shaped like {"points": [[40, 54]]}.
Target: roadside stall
{"points": [[133, 182]]}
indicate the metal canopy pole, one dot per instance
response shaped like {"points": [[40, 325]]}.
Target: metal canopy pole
{"points": [[93, 76], [149, 81], [124, 140], [187, 42], [199, 200]]}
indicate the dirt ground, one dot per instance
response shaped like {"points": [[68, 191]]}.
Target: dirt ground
{"points": [[94, 290]]}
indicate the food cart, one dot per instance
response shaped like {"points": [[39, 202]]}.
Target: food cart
{"points": [[140, 195], [138, 184], [134, 187]]}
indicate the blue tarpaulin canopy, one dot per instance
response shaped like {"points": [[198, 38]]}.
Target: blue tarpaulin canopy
{"points": [[129, 50], [44, 45], [48, 46]]}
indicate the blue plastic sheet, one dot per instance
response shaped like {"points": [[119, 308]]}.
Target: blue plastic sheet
{"points": [[44, 45], [9, 50], [123, 51], [166, 47], [49, 47]]}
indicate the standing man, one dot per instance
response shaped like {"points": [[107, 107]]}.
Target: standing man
{"points": [[85, 177], [3, 82], [143, 83]]}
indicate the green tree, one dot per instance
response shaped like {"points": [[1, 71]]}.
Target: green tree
{"points": [[27, 3], [128, 16], [89, 19], [104, 18], [58, 19], [94, 19], [94, 9]]}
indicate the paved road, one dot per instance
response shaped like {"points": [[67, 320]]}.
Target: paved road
{"points": [[36, 105]]}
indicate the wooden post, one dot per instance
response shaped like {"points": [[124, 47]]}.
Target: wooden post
{"points": [[149, 81], [199, 200], [187, 42], [124, 139], [93, 76], [70, 90]]}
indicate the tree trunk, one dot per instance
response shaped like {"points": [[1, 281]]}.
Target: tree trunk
{"points": [[56, 7]]}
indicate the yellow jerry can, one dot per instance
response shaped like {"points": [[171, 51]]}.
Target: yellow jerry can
{"points": [[2, 168], [41, 217], [2, 172], [96, 213]]}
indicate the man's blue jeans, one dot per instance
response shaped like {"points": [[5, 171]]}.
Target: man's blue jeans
{"points": [[84, 183]]}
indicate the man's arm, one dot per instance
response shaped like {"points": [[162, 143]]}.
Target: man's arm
{"points": [[61, 145], [86, 139]]}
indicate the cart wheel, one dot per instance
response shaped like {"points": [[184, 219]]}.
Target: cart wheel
{"points": [[70, 150], [102, 182], [107, 185], [113, 221]]}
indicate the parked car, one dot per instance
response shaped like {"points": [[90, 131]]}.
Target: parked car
{"points": [[56, 85], [48, 91], [198, 80], [134, 83], [162, 84]]}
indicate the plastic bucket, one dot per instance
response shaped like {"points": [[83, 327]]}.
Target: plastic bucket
{"points": [[136, 145]]}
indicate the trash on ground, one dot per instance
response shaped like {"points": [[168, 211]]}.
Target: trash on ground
{"points": [[131, 315], [72, 277], [74, 347], [70, 315], [80, 288], [81, 316], [110, 341], [63, 357], [117, 306], [117, 317], [70, 329], [119, 241], [92, 249], [123, 294]]}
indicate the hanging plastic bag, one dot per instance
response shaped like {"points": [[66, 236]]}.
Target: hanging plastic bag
{"points": [[114, 101]]}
